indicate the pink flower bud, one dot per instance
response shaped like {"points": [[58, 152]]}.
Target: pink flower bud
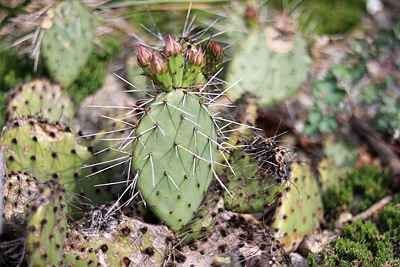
{"points": [[196, 57], [143, 56], [250, 16], [157, 65], [172, 47]]}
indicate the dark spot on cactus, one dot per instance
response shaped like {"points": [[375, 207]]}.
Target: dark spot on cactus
{"points": [[90, 262], [14, 141], [158, 193], [222, 248], [171, 211], [189, 205], [223, 233], [32, 228], [58, 246], [126, 231], [10, 158], [77, 174], [149, 251], [54, 155], [44, 256], [73, 151], [52, 134], [284, 217], [90, 250], [179, 196], [143, 230], [34, 139], [104, 248], [56, 175], [16, 124], [55, 209], [126, 261], [43, 222], [33, 157], [276, 230]]}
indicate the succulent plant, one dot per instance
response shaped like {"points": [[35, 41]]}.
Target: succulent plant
{"points": [[46, 226], [119, 241], [41, 98], [67, 40], [19, 190], [271, 63], [300, 209], [259, 174], [206, 216], [51, 152], [175, 144]]}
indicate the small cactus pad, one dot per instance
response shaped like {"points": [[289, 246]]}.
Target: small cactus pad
{"points": [[207, 215], [50, 151], [43, 99], [118, 241], [269, 73], [174, 154], [19, 190], [46, 226], [300, 209], [67, 41], [258, 175]]}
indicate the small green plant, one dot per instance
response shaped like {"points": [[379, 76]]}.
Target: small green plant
{"points": [[354, 86]]}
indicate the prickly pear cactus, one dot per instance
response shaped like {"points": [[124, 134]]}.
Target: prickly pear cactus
{"points": [[175, 144], [46, 226], [43, 99], [51, 151], [115, 242], [67, 40], [18, 192], [300, 209], [270, 63], [258, 175]]}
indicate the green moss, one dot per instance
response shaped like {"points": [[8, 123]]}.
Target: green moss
{"points": [[361, 244], [94, 73], [389, 220], [356, 192]]}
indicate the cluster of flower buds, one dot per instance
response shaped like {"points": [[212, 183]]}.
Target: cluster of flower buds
{"points": [[172, 69]]}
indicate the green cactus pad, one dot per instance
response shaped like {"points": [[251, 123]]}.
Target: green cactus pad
{"points": [[18, 192], [129, 243], [258, 175], [43, 99], [207, 215], [46, 226], [51, 152], [267, 71], [300, 209], [67, 41], [173, 156]]}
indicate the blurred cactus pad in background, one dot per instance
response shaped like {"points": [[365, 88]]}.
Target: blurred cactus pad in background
{"points": [[199, 133]]}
